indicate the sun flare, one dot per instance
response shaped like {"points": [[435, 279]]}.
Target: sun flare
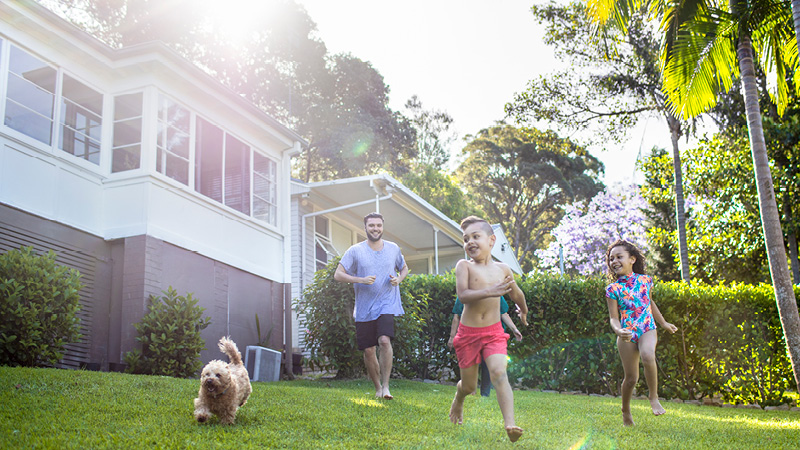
{"points": [[237, 19]]}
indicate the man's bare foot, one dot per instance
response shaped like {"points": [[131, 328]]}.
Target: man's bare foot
{"points": [[457, 411], [627, 419], [514, 432], [657, 408], [379, 393], [386, 394]]}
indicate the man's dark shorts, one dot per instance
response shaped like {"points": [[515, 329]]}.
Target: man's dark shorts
{"points": [[367, 333]]}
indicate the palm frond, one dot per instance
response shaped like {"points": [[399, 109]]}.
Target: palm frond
{"points": [[700, 60]]}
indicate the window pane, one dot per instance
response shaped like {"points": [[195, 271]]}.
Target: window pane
{"points": [[237, 175], [265, 189], [127, 132], [30, 99], [82, 95], [127, 150], [208, 160], [173, 140], [178, 169], [28, 122], [81, 112], [127, 106], [126, 158]]}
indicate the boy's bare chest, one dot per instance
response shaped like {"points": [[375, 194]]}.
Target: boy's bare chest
{"points": [[485, 276]]}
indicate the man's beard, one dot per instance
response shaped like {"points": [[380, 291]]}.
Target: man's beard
{"points": [[374, 239]]}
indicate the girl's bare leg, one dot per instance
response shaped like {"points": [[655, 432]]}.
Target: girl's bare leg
{"points": [[505, 396], [466, 386], [629, 354], [647, 350]]}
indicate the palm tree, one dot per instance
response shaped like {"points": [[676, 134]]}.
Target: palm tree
{"points": [[704, 47]]}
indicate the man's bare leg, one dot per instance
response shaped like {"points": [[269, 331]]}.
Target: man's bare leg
{"points": [[505, 396], [629, 354], [647, 350], [373, 369], [387, 355], [465, 386]]}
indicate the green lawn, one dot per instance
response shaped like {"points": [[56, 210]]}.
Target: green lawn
{"points": [[48, 408]]}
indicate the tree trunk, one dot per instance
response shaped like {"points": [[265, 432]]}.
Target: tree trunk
{"points": [[770, 219], [791, 236], [675, 131], [796, 17]]}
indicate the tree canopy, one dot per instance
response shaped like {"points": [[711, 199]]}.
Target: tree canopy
{"points": [[522, 178]]}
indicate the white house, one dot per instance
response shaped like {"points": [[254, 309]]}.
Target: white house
{"points": [[142, 172]]}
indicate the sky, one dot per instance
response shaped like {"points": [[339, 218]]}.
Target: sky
{"points": [[465, 57]]}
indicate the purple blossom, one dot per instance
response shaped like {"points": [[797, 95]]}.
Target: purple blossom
{"points": [[585, 231]]}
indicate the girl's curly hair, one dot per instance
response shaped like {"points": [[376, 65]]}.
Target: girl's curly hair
{"points": [[633, 250]]}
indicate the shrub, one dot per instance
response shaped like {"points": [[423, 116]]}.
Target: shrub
{"points": [[170, 337], [39, 302]]}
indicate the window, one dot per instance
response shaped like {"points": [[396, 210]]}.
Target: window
{"points": [[172, 146], [323, 249], [81, 120], [31, 93], [208, 160], [126, 153], [265, 189], [237, 174]]}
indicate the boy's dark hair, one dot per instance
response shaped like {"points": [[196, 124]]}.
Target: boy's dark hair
{"points": [[633, 250], [467, 221], [372, 215]]}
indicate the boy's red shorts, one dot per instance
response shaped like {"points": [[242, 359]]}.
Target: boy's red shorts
{"points": [[474, 344]]}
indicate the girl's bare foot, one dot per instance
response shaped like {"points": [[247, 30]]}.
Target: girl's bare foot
{"points": [[457, 411], [514, 432], [627, 418], [657, 408]]}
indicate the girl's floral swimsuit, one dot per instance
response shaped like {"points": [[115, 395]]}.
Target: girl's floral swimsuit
{"points": [[632, 293]]}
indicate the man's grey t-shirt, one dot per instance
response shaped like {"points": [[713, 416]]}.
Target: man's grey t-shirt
{"points": [[380, 297]]}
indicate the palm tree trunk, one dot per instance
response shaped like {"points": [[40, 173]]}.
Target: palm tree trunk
{"points": [[770, 219], [675, 131], [791, 236], [796, 18]]}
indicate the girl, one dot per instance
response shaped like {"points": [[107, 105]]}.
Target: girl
{"points": [[629, 298]]}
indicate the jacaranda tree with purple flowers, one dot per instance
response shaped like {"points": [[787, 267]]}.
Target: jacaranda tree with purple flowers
{"points": [[587, 229]]}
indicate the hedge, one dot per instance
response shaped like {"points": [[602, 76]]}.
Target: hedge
{"points": [[729, 341]]}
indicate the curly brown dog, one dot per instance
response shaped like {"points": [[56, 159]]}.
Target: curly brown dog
{"points": [[224, 387]]}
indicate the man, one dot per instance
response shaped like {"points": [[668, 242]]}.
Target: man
{"points": [[376, 268]]}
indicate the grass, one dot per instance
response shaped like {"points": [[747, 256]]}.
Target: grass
{"points": [[50, 408]]}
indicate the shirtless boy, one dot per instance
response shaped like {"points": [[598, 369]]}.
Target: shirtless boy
{"points": [[480, 282]]}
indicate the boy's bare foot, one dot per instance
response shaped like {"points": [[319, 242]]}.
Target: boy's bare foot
{"points": [[657, 408], [514, 432], [457, 411], [627, 419]]}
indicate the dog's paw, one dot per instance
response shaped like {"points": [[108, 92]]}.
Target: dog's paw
{"points": [[201, 417]]}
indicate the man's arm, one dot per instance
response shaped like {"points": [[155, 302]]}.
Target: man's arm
{"points": [[400, 277], [342, 276]]}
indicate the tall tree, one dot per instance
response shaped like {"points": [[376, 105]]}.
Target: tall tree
{"points": [[705, 46], [434, 135], [618, 85], [522, 178]]}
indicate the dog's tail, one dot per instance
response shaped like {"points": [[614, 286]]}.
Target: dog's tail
{"points": [[227, 346]]}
